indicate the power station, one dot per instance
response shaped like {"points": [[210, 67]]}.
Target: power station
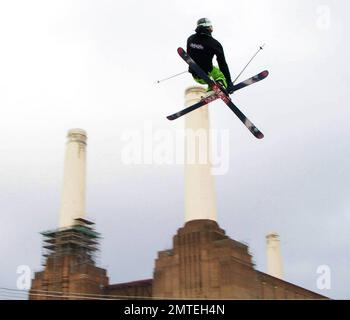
{"points": [[203, 263]]}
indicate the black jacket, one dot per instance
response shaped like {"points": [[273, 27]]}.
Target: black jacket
{"points": [[202, 47]]}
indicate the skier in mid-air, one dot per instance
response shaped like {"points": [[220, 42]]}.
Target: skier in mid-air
{"points": [[202, 47]]}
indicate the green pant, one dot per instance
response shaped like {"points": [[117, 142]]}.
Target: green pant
{"points": [[214, 74]]}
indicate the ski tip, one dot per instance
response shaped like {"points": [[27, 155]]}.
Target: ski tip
{"points": [[265, 73], [180, 50], [256, 132], [260, 135]]}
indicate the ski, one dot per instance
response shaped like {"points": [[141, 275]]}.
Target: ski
{"points": [[220, 93], [213, 97], [197, 105], [260, 76]]}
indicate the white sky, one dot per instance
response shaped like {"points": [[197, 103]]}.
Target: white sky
{"points": [[93, 64]]}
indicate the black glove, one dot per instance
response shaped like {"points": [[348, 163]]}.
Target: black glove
{"points": [[230, 88]]}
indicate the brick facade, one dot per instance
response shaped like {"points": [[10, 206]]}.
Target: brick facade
{"points": [[204, 263], [66, 277]]}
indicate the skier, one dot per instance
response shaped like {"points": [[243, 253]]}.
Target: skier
{"points": [[202, 47]]}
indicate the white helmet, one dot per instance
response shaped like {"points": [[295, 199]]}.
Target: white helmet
{"points": [[204, 22]]}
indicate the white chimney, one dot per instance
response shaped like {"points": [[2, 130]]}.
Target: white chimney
{"points": [[73, 193], [199, 182], [274, 257]]}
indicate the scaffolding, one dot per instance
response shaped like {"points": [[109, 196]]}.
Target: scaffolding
{"points": [[80, 241]]}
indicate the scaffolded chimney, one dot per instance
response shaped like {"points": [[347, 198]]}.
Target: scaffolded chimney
{"points": [[73, 193]]}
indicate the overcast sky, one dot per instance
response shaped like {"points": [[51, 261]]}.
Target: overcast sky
{"points": [[93, 64]]}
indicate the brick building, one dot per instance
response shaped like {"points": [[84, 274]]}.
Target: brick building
{"points": [[204, 263]]}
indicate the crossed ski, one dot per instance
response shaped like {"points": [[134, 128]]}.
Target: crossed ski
{"points": [[220, 93], [214, 96]]}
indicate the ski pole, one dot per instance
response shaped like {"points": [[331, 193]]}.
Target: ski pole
{"points": [[260, 48], [176, 75]]}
